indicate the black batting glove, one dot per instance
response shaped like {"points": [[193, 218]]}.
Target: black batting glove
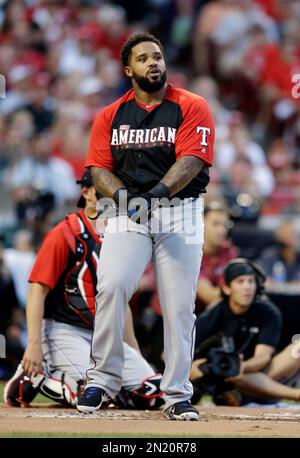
{"points": [[122, 198], [141, 207]]}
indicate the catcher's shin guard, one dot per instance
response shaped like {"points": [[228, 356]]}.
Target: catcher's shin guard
{"points": [[147, 397], [60, 387]]}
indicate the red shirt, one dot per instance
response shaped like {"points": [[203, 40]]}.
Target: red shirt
{"points": [[212, 266]]}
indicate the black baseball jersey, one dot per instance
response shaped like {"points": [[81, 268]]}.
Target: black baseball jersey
{"points": [[140, 143]]}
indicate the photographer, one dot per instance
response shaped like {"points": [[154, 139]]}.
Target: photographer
{"points": [[236, 340]]}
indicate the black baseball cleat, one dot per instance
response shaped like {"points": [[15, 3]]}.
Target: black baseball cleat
{"points": [[92, 399], [182, 411]]}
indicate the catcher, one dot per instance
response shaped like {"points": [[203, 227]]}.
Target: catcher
{"points": [[60, 310]]}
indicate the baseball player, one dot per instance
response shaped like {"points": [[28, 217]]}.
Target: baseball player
{"points": [[62, 289], [153, 143]]}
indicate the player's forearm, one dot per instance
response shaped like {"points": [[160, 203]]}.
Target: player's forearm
{"points": [[182, 173], [35, 311], [105, 182]]}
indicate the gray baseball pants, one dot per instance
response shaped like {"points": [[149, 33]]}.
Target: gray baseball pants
{"points": [[67, 348], [173, 240]]}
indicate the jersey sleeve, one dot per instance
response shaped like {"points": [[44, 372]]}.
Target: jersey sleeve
{"points": [[51, 260], [270, 327], [99, 152], [196, 134]]}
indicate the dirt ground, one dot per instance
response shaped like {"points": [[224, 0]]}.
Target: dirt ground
{"points": [[215, 422]]}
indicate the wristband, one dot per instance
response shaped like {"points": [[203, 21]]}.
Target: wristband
{"points": [[116, 195], [160, 190]]}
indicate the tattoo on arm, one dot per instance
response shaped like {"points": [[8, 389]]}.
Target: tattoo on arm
{"points": [[105, 182], [182, 172]]}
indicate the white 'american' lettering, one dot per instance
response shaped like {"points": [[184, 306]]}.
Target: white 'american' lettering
{"points": [[140, 136]]}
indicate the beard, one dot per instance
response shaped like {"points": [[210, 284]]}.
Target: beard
{"points": [[149, 86]]}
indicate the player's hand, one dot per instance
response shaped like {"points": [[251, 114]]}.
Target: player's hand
{"points": [[32, 359], [141, 207], [122, 198]]}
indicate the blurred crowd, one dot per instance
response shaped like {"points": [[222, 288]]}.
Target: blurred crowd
{"points": [[60, 59]]}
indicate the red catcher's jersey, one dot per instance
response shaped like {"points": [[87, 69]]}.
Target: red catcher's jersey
{"points": [[67, 263], [139, 144]]}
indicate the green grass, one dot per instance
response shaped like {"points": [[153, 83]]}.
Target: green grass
{"points": [[1, 390]]}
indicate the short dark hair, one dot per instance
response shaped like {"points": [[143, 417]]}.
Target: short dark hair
{"points": [[243, 266], [135, 40], [215, 206]]}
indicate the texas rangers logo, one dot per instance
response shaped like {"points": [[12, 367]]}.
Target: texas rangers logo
{"points": [[204, 131]]}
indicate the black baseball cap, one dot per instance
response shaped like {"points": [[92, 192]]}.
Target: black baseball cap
{"points": [[236, 268], [86, 181]]}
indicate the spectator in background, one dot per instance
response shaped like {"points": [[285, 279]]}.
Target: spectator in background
{"points": [[282, 262], [77, 54], [283, 162], [239, 146], [41, 104], [90, 91], [217, 251], [222, 26], [72, 139], [19, 79], [207, 87], [39, 171], [112, 20], [9, 320], [109, 72], [19, 261], [17, 129]]}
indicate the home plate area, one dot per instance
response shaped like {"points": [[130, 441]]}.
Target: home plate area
{"points": [[215, 422]]}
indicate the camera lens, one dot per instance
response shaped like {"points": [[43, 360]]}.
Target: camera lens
{"points": [[224, 363]]}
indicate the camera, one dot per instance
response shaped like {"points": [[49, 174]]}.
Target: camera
{"points": [[222, 361]]}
